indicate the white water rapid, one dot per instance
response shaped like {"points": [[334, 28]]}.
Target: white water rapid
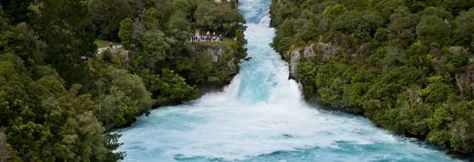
{"points": [[261, 116]]}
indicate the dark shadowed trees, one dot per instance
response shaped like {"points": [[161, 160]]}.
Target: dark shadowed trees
{"points": [[107, 15]]}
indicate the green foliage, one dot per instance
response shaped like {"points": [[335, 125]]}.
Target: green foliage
{"points": [[284, 37], [125, 32], [405, 64], [101, 43], [185, 6], [155, 48], [436, 91], [165, 9], [433, 29], [107, 15], [456, 6], [282, 10], [67, 29], [401, 28], [173, 88], [179, 27], [220, 18], [335, 10], [362, 24], [60, 99], [464, 29], [150, 17], [21, 41], [387, 7], [127, 97], [160, 40], [66, 122], [17, 10]]}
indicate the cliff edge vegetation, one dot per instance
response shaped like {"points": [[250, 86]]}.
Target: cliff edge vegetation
{"points": [[407, 65], [61, 97]]}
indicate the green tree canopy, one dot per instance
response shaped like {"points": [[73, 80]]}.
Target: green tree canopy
{"points": [[433, 29], [107, 15]]}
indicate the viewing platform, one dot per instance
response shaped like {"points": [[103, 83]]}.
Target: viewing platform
{"points": [[208, 37]]}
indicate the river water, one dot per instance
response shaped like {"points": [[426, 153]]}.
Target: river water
{"points": [[261, 116]]}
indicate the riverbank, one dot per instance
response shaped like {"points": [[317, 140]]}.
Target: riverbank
{"points": [[405, 66], [260, 117], [61, 101], [174, 68]]}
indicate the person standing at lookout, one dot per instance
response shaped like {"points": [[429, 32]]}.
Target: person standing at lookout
{"points": [[110, 46]]}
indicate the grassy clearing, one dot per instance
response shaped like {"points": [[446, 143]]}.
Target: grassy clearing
{"points": [[102, 43]]}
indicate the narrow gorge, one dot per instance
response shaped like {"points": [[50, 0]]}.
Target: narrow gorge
{"points": [[262, 116]]}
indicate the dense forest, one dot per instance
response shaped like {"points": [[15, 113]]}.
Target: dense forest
{"points": [[60, 100], [407, 65]]}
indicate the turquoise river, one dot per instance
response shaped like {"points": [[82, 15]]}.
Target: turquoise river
{"points": [[261, 116]]}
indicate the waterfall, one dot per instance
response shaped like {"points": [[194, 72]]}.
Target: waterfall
{"points": [[261, 116]]}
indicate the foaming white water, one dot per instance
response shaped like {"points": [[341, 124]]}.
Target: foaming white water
{"points": [[261, 116]]}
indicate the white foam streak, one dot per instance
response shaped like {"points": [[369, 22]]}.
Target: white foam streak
{"points": [[259, 113]]}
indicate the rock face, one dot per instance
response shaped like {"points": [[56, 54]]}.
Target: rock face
{"points": [[465, 77], [3, 147], [225, 63], [465, 80], [296, 56], [117, 50], [218, 54], [215, 53], [324, 51]]}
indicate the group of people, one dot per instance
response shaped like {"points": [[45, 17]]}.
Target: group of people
{"points": [[207, 38], [110, 47]]}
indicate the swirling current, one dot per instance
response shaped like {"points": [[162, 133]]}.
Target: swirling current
{"points": [[261, 116]]}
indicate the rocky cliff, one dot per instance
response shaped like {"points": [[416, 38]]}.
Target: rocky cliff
{"points": [[322, 51], [465, 80], [221, 63]]}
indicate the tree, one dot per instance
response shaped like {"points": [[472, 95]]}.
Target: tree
{"points": [[67, 29], [165, 9], [387, 7], [220, 18], [362, 24], [461, 127], [17, 10], [458, 5], [13, 81], [334, 10], [283, 10], [125, 32], [464, 29], [155, 48], [173, 88], [185, 6], [107, 15], [120, 95], [59, 99], [44, 117], [150, 18], [433, 29], [21, 41], [402, 26], [133, 97], [179, 27], [287, 30], [402, 63]]}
